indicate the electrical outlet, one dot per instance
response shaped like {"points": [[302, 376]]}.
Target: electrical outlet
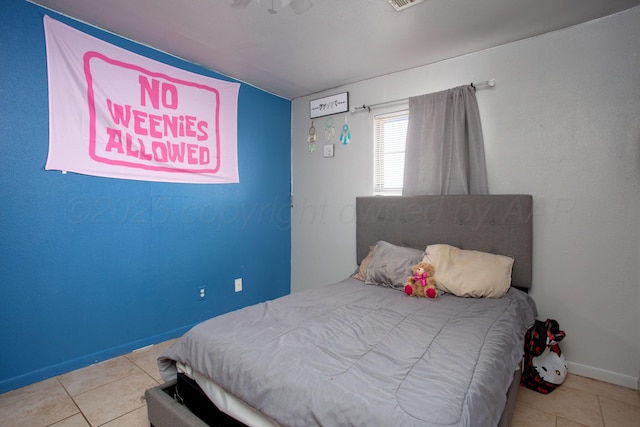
{"points": [[238, 284], [202, 292]]}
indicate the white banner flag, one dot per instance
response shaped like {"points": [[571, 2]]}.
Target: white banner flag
{"points": [[114, 113]]}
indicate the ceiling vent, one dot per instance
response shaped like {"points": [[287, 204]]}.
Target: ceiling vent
{"points": [[399, 5]]}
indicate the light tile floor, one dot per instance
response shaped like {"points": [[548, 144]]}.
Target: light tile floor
{"points": [[111, 394]]}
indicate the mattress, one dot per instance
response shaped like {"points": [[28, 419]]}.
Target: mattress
{"points": [[356, 354], [227, 402]]}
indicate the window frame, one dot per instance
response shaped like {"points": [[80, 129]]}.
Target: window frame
{"points": [[382, 186]]}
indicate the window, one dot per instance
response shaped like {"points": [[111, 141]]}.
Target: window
{"points": [[390, 134]]}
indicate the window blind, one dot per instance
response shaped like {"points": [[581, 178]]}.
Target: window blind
{"points": [[390, 134]]}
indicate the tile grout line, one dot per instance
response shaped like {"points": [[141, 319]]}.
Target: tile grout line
{"points": [[74, 402], [555, 417], [142, 400], [122, 415], [617, 399], [138, 366], [108, 382], [601, 411], [142, 369]]}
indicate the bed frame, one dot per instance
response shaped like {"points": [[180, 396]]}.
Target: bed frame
{"points": [[500, 224]]}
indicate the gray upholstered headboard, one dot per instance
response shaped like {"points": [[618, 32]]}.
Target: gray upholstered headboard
{"points": [[500, 224]]}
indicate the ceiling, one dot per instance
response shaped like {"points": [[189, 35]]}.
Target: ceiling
{"points": [[335, 42]]}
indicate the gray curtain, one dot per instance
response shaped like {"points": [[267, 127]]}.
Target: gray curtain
{"points": [[445, 148]]}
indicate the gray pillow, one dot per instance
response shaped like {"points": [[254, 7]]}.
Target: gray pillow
{"points": [[391, 265]]}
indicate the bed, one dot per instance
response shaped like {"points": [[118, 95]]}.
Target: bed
{"points": [[363, 353]]}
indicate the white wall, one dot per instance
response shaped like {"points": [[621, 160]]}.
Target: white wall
{"points": [[562, 124]]}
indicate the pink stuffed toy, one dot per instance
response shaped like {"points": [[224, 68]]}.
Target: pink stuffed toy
{"points": [[422, 283]]}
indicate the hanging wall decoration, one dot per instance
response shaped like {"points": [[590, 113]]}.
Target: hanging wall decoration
{"points": [[345, 135], [329, 130], [329, 105], [117, 114], [311, 139]]}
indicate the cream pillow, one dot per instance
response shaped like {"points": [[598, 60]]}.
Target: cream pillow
{"points": [[467, 273]]}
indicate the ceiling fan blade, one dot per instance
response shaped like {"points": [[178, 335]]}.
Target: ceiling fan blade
{"points": [[240, 4], [300, 6], [272, 10]]}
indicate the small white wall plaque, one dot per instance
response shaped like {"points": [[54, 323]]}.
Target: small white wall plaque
{"points": [[328, 150]]}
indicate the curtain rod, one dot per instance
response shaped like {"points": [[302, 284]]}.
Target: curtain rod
{"points": [[489, 83]]}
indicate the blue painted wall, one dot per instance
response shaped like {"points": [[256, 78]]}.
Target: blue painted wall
{"points": [[91, 268]]}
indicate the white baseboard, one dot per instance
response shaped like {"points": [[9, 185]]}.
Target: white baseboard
{"points": [[603, 375]]}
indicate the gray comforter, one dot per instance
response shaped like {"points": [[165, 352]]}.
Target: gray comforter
{"points": [[351, 354]]}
